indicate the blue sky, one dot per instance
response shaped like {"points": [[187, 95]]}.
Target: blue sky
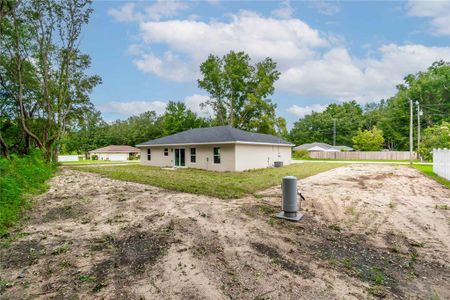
{"points": [[149, 53]]}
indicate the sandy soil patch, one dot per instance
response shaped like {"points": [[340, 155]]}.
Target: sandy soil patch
{"points": [[368, 231]]}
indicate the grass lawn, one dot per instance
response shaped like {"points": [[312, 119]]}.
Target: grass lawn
{"points": [[428, 170], [93, 162], [224, 185]]}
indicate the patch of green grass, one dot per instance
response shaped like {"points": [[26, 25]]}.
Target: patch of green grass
{"points": [[377, 276], [224, 185], [60, 249], [87, 278], [428, 171], [442, 206], [20, 177]]}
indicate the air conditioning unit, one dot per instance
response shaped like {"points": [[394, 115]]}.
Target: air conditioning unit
{"points": [[277, 164]]}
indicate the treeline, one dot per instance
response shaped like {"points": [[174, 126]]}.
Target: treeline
{"points": [[429, 89], [93, 132]]}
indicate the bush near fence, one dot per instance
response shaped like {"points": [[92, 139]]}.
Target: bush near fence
{"points": [[441, 162], [364, 155]]}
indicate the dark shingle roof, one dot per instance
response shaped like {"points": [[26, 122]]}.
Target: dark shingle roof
{"points": [[215, 135]]}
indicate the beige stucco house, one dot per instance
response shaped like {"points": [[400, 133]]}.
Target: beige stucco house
{"points": [[115, 153], [221, 148]]}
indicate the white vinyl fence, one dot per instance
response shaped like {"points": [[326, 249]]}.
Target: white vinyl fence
{"points": [[370, 155], [441, 162], [67, 157]]}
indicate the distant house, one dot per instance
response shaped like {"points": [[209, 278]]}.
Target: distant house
{"points": [[115, 152], [322, 147], [343, 148], [221, 148]]}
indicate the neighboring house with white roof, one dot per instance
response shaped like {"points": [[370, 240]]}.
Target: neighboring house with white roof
{"points": [[220, 148], [322, 147], [343, 148], [115, 152]]}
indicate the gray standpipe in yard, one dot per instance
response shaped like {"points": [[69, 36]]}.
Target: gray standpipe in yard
{"points": [[290, 202]]}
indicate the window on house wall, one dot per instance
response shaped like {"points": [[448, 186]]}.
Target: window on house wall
{"points": [[193, 155], [216, 155], [166, 151], [149, 154]]}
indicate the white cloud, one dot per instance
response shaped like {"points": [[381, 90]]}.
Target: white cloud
{"points": [[338, 75], [195, 102], [285, 11], [132, 107], [155, 12], [126, 13], [312, 63], [169, 66], [327, 7], [437, 11], [302, 111], [258, 36], [165, 8]]}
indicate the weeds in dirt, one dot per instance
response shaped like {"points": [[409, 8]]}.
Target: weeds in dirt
{"points": [[279, 260], [130, 254], [60, 249], [377, 291], [4, 284], [87, 278], [335, 227], [377, 275], [442, 206], [102, 243]]}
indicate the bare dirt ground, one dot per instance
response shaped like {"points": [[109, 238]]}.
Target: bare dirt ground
{"points": [[368, 231]]}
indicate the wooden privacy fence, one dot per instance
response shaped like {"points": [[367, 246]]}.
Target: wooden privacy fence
{"points": [[369, 155], [441, 162]]}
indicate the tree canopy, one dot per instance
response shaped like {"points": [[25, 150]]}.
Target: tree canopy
{"points": [[43, 74], [239, 92], [368, 140]]}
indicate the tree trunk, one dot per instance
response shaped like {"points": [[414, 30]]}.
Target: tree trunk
{"points": [[4, 147]]}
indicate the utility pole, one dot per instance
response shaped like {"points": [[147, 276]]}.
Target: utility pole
{"points": [[419, 113], [334, 132], [410, 131]]}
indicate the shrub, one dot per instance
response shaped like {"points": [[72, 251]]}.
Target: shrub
{"points": [[301, 153], [20, 176], [437, 136], [368, 140], [94, 157]]}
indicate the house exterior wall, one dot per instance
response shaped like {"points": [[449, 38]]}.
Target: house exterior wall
{"points": [[112, 156], [204, 157], [234, 157], [253, 156]]}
